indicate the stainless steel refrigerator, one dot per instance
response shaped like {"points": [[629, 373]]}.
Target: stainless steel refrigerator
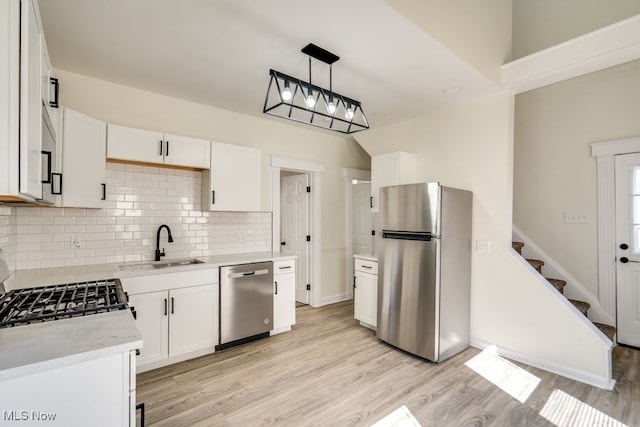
{"points": [[425, 269]]}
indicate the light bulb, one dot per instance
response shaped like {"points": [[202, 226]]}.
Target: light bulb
{"points": [[331, 107], [286, 93], [311, 101], [349, 114]]}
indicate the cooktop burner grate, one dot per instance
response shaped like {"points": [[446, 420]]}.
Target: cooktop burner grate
{"points": [[41, 304]]}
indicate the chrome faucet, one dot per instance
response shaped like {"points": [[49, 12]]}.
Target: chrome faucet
{"points": [[158, 253]]}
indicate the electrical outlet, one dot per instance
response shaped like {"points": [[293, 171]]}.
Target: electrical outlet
{"points": [[483, 246], [577, 218], [75, 242]]}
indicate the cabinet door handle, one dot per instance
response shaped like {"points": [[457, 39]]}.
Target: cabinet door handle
{"points": [[165, 306], [173, 305], [366, 266], [276, 287], [47, 179], [161, 141], [166, 151], [371, 201], [213, 197], [104, 191], [354, 282], [53, 183], [285, 267], [56, 92]]}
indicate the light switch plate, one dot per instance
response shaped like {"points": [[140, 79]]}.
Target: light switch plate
{"points": [[577, 218], [483, 246]]}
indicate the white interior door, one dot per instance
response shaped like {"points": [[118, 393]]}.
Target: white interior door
{"points": [[628, 248], [294, 228], [362, 238]]}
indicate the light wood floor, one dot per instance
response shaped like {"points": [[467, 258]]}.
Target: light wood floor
{"points": [[331, 371]]}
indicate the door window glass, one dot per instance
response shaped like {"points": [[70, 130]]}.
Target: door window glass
{"points": [[635, 209]]}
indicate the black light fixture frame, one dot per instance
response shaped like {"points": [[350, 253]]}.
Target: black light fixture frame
{"points": [[327, 96]]}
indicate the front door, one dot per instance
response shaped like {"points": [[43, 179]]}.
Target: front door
{"points": [[294, 228], [628, 248]]}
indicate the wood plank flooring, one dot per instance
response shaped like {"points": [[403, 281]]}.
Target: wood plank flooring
{"points": [[329, 371]]}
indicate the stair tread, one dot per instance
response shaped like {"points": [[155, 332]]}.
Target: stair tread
{"points": [[517, 246], [583, 306], [536, 263], [558, 284], [608, 330]]}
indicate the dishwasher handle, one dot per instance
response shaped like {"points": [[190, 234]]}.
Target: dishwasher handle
{"points": [[248, 274]]}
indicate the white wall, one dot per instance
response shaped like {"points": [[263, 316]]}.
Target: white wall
{"points": [[554, 172], [128, 106], [470, 146], [479, 32], [540, 24]]}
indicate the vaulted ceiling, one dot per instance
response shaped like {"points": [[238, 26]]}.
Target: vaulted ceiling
{"points": [[219, 52]]}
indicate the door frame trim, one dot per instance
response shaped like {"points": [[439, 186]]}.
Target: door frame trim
{"points": [[349, 175], [604, 153], [315, 171]]}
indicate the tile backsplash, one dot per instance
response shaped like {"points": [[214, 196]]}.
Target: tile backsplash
{"points": [[8, 235], [139, 200]]}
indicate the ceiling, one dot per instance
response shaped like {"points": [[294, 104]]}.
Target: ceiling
{"points": [[219, 52]]}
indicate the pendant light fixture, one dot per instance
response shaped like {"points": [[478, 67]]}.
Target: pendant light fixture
{"points": [[295, 99]]}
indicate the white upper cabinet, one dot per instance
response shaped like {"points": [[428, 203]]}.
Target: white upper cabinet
{"points": [[146, 146], [390, 169], [233, 183], [84, 165], [186, 151], [22, 92], [30, 100]]}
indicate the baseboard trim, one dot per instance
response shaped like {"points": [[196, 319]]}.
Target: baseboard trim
{"points": [[333, 299], [565, 371]]}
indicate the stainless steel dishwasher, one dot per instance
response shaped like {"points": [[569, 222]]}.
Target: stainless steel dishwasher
{"points": [[246, 302]]}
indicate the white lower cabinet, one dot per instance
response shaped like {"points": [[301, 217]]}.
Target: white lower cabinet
{"points": [[284, 295], [366, 292], [176, 322], [96, 392]]}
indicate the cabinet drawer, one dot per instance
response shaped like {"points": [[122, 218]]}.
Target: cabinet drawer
{"points": [[366, 266], [281, 267]]}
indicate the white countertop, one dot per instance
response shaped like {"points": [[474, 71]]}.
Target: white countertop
{"points": [[368, 257], [37, 347], [61, 275], [28, 349]]}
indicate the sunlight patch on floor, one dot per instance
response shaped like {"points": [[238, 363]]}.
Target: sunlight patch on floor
{"points": [[401, 417], [508, 377], [564, 410]]}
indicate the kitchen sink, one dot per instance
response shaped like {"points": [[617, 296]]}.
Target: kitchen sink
{"points": [[154, 265]]}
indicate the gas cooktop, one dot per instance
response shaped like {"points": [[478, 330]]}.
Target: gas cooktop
{"points": [[41, 304]]}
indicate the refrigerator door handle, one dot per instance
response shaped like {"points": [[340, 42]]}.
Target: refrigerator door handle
{"points": [[408, 235]]}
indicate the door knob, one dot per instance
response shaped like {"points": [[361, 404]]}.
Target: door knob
{"points": [[625, 260], [624, 246]]}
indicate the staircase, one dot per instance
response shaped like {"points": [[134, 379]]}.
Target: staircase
{"points": [[583, 306]]}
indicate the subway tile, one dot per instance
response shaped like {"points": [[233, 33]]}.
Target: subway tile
{"points": [[140, 198]]}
